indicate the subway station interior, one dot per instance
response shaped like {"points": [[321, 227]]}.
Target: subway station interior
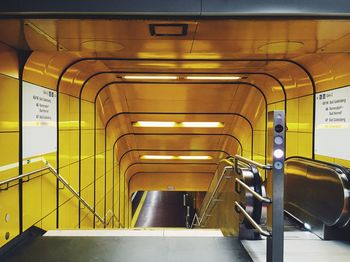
{"points": [[187, 130]]}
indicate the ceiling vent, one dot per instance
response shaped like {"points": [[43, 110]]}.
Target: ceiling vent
{"points": [[168, 29]]}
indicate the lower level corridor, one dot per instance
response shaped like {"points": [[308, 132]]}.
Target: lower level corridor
{"points": [[161, 209]]}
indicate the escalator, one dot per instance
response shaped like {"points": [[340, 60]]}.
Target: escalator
{"points": [[317, 195]]}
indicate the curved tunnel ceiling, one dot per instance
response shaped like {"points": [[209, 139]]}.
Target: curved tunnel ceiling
{"points": [[268, 55]]}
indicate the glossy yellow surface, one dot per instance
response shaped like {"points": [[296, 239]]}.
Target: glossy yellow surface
{"points": [[9, 143], [320, 46]]}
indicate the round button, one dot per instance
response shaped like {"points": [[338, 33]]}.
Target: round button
{"points": [[278, 165], [278, 153], [279, 118], [278, 128], [278, 140]]}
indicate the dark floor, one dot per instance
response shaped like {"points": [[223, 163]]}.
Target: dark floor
{"points": [[131, 249], [162, 209]]}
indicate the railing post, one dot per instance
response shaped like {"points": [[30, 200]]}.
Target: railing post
{"points": [[275, 185]]}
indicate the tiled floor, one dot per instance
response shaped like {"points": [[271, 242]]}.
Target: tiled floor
{"points": [[302, 246]]}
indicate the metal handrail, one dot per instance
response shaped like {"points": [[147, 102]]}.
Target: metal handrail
{"points": [[63, 181], [112, 216], [252, 221], [251, 162], [12, 179], [234, 162], [343, 169], [200, 219], [255, 194], [253, 165]]}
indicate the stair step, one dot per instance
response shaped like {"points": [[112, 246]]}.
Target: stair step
{"points": [[138, 232]]}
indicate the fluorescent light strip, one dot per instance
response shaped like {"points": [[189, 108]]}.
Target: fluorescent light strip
{"points": [[168, 77], [195, 157], [202, 124], [165, 157], [152, 77], [156, 157], [154, 124], [174, 124], [212, 77]]}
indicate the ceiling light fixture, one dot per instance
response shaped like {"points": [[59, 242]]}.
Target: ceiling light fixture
{"points": [[195, 157], [212, 77], [202, 124], [156, 157], [179, 124], [154, 124], [151, 77], [166, 157]]}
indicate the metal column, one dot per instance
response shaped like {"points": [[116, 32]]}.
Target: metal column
{"points": [[275, 185]]}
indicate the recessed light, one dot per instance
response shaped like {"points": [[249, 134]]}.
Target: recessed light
{"points": [[202, 124], [166, 157], [156, 157], [154, 124], [179, 124], [195, 157], [212, 77], [151, 77]]}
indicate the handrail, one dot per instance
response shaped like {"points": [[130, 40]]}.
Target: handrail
{"points": [[200, 219], [253, 166], [251, 220], [234, 162], [331, 178], [251, 162], [255, 194], [343, 169], [112, 216], [12, 179], [63, 181]]}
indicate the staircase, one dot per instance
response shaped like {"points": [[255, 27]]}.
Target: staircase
{"points": [[168, 245]]}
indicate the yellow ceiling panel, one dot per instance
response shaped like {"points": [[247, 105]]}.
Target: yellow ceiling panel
{"points": [[184, 92], [106, 29]]}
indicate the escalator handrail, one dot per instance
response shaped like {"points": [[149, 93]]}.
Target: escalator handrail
{"points": [[343, 169], [343, 174]]}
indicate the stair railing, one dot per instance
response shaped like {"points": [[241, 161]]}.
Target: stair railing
{"points": [[5, 184], [198, 220]]}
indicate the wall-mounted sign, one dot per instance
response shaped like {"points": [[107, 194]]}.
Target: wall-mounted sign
{"points": [[39, 120], [332, 132]]}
